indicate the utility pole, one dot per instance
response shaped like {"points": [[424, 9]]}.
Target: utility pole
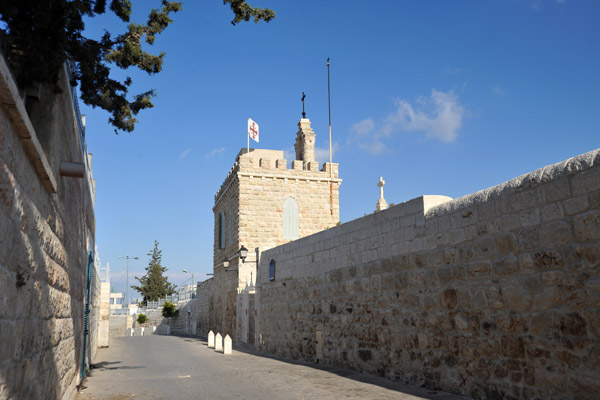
{"points": [[127, 280]]}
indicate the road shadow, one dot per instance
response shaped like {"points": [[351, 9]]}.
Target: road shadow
{"points": [[420, 391], [106, 365]]}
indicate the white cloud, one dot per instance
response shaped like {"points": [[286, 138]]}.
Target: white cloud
{"points": [[438, 116], [322, 153], [375, 147], [363, 127], [216, 151], [185, 153], [498, 90]]}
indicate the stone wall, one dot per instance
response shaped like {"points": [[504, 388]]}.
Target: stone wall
{"points": [[493, 295], [47, 227], [119, 325], [104, 316]]}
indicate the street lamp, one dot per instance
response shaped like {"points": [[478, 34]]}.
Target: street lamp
{"points": [[127, 281], [187, 272], [243, 253]]}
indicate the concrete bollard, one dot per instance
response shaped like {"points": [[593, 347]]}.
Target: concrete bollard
{"points": [[142, 331], [211, 340], [218, 342], [154, 330], [130, 331], [227, 345]]}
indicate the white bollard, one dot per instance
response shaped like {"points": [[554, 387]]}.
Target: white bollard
{"points": [[154, 330], [142, 332], [218, 342], [227, 345], [211, 340], [130, 331]]}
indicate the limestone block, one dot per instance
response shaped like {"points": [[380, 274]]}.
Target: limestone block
{"points": [[297, 165], [557, 190], [227, 345], [555, 234], [281, 163], [265, 163], [587, 226], [211, 340], [218, 342], [574, 205]]}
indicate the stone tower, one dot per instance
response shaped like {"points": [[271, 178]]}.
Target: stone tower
{"points": [[305, 142], [262, 204]]}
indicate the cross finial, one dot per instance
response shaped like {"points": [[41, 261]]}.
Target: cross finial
{"points": [[380, 184], [381, 203], [303, 97]]}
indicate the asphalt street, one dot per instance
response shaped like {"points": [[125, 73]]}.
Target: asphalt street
{"points": [[174, 367]]}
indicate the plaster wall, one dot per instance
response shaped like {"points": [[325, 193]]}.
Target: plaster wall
{"points": [[492, 295]]}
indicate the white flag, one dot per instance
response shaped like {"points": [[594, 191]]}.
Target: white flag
{"points": [[253, 130]]}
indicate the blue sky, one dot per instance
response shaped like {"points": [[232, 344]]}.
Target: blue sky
{"points": [[437, 97]]}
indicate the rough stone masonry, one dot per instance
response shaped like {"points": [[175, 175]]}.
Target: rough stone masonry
{"points": [[47, 228], [493, 295]]}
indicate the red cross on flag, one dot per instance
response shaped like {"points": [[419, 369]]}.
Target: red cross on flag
{"points": [[253, 130]]}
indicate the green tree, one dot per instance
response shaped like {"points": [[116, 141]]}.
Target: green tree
{"points": [[42, 34], [154, 285]]}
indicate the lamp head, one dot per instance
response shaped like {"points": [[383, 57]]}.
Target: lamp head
{"points": [[243, 253], [225, 262]]}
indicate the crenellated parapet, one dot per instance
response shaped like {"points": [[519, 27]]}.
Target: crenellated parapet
{"points": [[271, 164]]}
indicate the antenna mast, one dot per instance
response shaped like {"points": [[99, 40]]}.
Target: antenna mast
{"points": [[330, 151]]}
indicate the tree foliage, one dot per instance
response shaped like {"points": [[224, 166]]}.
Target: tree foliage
{"points": [[44, 33], [142, 319], [169, 310], [154, 285]]}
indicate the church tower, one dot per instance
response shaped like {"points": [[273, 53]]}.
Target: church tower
{"points": [[261, 204]]}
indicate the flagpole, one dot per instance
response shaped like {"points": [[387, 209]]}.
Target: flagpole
{"points": [[248, 151], [330, 151]]}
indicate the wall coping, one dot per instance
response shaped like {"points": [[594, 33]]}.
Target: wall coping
{"points": [[15, 108]]}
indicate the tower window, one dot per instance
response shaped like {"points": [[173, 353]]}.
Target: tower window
{"points": [[290, 219]]}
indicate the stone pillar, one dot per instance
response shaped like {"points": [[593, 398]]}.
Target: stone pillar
{"points": [[219, 342], [211, 340], [227, 345]]}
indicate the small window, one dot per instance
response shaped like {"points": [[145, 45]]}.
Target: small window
{"points": [[112, 300], [272, 270], [221, 230], [290, 219]]}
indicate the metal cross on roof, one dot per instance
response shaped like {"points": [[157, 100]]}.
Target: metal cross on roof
{"points": [[303, 97]]}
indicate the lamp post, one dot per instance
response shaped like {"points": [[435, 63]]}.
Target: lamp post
{"points": [[187, 272], [127, 280]]}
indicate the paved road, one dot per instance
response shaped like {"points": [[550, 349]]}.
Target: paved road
{"points": [[172, 367]]}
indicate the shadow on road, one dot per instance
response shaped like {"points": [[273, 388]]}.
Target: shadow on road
{"points": [[420, 391], [104, 365]]}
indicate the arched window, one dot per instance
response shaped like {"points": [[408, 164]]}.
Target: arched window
{"points": [[290, 219], [221, 230]]}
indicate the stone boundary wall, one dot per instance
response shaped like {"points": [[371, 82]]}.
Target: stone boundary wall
{"points": [[199, 312], [119, 325], [493, 295], [47, 227]]}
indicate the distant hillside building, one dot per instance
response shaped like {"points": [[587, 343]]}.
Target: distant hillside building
{"points": [[263, 204]]}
